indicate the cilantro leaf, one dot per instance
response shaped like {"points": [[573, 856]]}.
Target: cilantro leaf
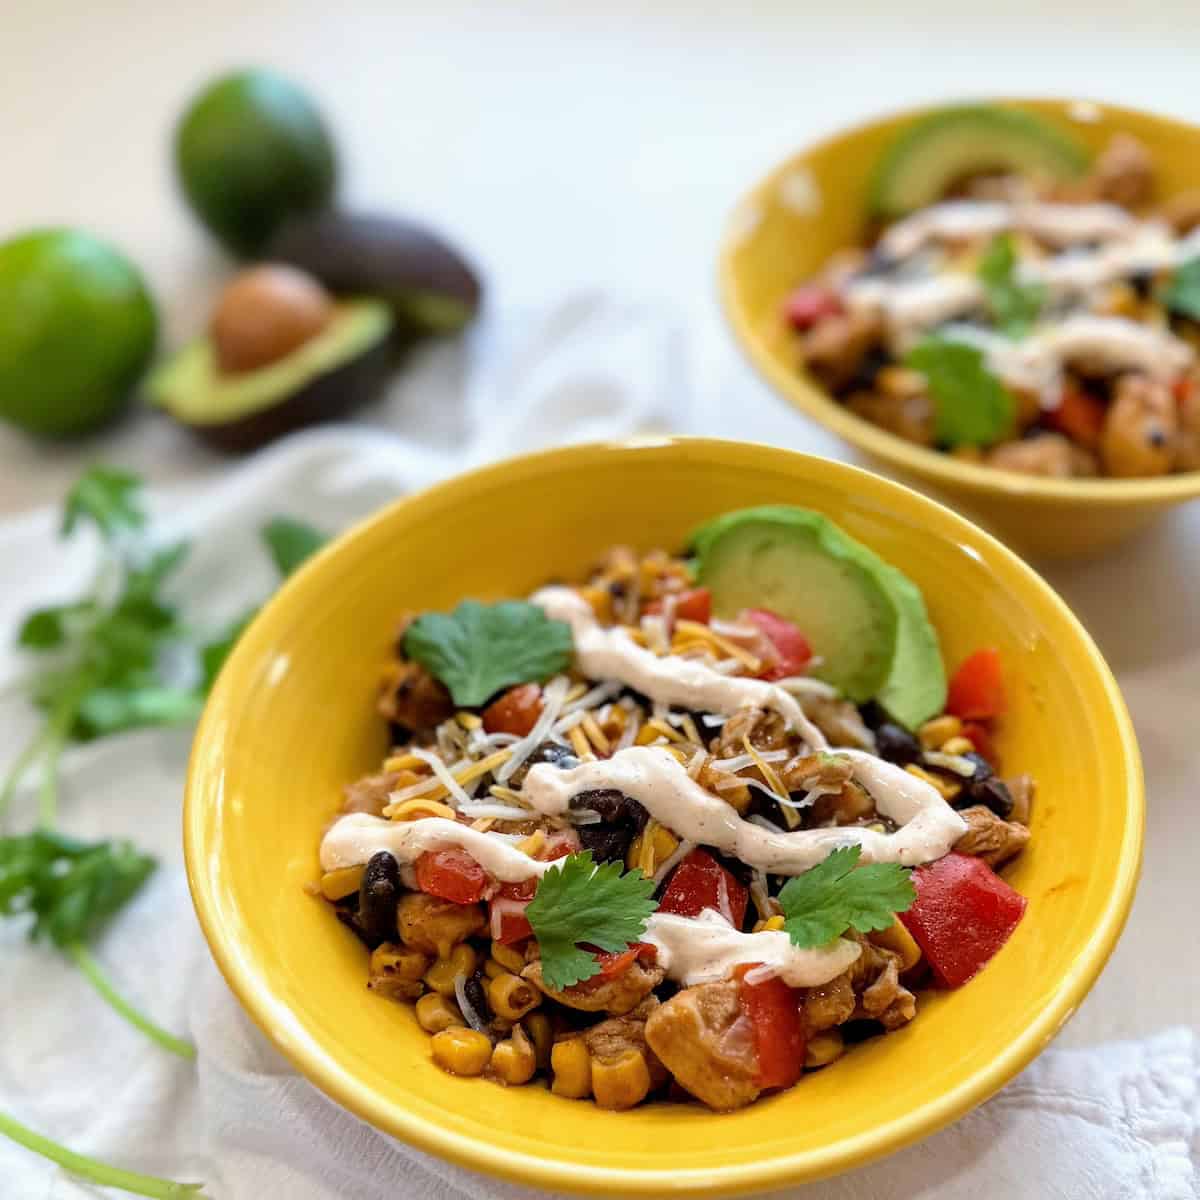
{"points": [[579, 902], [48, 628], [1183, 293], [480, 648], [107, 710], [971, 406], [1014, 305], [109, 498], [837, 894], [291, 542]]}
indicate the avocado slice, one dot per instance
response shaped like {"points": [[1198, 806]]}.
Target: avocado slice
{"points": [[342, 366], [864, 618], [920, 165]]}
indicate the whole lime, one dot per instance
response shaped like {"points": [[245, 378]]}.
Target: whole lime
{"points": [[77, 329], [251, 151]]}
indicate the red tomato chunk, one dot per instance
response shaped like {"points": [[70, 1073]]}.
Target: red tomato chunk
{"points": [[700, 882], [773, 1010], [452, 875], [515, 712], [695, 605], [614, 963], [964, 912], [792, 649], [976, 691], [809, 304]]}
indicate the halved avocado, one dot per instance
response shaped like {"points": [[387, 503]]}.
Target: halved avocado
{"points": [[322, 380], [970, 139], [430, 286]]}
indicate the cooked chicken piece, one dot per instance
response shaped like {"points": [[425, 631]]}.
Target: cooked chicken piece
{"points": [[1022, 789], [990, 837], [1182, 212], [411, 697], [839, 721], [707, 1044], [766, 731], [436, 926], [1048, 454], [610, 1039], [370, 794], [831, 1004], [909, 417], [615, 996], [846, 804], [868, 989], [807, 771], [1187, 443], [1122, 174], [834, 348], [1140, 428]]}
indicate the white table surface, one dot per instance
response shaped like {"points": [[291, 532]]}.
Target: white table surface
{"points": [[567, 145]]}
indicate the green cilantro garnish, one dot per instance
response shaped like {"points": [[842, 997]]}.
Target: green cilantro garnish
{"points": [[1014, 306], [1182, 295], [110, 499], [291, 542], [480, 648], [971, 406], [579, 902], [837, 895]]}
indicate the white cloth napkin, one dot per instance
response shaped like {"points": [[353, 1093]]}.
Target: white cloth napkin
{"points": [[1110, 1123]]}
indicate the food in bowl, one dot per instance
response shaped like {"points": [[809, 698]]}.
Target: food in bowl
{"points": [[685, 828], [1013, 304]]}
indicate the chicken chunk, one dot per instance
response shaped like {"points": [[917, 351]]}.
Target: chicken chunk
{"points": [[1048, 454], [766, 731], [608, 1040], [834, 349], [1140, 429], [1122, 174], [707, 1044], [990, 837], [909, 417], [869, 989], [616, 996], [1187, 446], [370, 794], [839, 721], [1182, 212], [411, 697], [436, 926]]}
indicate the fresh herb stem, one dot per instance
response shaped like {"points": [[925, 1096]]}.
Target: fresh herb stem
{"points": [[100, 981], [97, 1172], [25, 760]]}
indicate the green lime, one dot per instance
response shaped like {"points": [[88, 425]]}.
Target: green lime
{"points": [[251, 151], [77, 329]]}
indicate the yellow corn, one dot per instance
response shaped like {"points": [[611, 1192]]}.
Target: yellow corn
{"points": [[398, 962], [541, 1034], [940, 729], [946, 788], [507, 957], [621, 1083], [511, 997], [336, 885], [440, 977], [728, 649], [822, 1048], [468, 720], [572, 1067], [461, 1051], [595, 734], [435, 1013], [958, 745], [770, 925], [654, 845], [601, 601], [533, 843], [514, 1059], [895, 937], [492, 969], [418, 807]]}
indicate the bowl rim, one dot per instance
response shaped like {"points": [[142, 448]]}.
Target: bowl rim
{"points": [[816, 402], [271, 1015]]}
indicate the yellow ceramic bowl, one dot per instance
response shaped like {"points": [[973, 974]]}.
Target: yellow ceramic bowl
{"points": [[292, 720], [814, 204]]}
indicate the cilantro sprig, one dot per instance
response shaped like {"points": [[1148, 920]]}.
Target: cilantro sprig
{"points": [[1014, 306], [971, 406], [837, 894], [480, 648], [579, 903], [1182, 295]]}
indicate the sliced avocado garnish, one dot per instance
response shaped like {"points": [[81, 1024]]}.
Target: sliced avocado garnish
{"points": [[866, 621], [952, 143], [193, 390]]}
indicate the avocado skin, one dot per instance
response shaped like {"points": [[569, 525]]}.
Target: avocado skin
{"points": [[251, 150], [328, 397], [432, 289]]}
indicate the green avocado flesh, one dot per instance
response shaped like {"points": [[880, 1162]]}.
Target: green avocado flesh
{"points": [[952, 143], [865, 620], [189, 386]]}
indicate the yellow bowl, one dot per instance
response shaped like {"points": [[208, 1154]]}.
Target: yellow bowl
{"points": [[292, 720], [815, 203]]}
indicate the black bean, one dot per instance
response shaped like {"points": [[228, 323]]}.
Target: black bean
{"points": [[349, 918], [894, 743], [378, 895], [991, 792], [1142, 282], [545, 752], [622, 818], [477, 996], [873, 714]]}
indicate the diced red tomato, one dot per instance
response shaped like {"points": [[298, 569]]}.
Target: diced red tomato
{"points": [[811, 303], [559, 845], [976, 691], [981, 738], [773, 1010], [1182, 388], [700, 882], [964, 912], [515, 712], [792, 649], [451, 874], [1079, 415], [508, 921], [693, 605], [614, 963]]}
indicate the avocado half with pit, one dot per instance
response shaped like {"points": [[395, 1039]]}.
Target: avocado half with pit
{"points": [[951, 144], [335, 370]]}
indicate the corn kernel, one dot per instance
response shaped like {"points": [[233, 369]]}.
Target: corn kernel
{"points": [[945, 788], [601, 601], [822, 1048], [440, 978], [461, 1051], [512, 997], [435, 1013], [572, 1067], [337, 885], [897, 938], [770, 925], [541, 1034], [958, 745], [396, 961], [941, 729], [514, 1060], [492, 969], [512, 960], [621, 1083]]}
